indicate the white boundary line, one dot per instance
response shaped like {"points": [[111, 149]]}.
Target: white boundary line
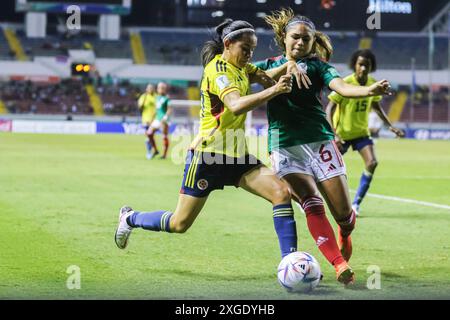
{"points": [[423, 203]]}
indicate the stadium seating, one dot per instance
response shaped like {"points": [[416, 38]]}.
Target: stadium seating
{"points": [[420, 112], [70, 97], [55, 45], [183, 47]]}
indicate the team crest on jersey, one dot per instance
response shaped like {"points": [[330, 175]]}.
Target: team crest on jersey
{"points": [[302, 67], [202, 184], [222, 82]]}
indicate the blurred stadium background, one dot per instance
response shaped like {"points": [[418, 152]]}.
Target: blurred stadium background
{"points": [[60, 193], [127, 44]]}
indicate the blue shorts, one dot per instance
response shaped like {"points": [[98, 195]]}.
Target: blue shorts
{"points": [[357, 144], [205, 172]]}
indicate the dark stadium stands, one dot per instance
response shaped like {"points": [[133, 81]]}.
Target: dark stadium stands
{"points": [[183, 47], [70, 97], [54, 45], [420, 111], [396, 52]]}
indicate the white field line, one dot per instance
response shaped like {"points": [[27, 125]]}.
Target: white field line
{"points": [[422, 203]]}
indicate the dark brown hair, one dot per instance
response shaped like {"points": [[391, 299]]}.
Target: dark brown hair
{"points": [[215, 46]]}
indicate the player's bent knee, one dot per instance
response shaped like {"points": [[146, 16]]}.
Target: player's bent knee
{"points": [[344, 211], [281, 194], [180, 227], [372, 165]]}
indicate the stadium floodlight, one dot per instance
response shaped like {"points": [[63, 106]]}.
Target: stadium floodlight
{"points": [[81, 69]]}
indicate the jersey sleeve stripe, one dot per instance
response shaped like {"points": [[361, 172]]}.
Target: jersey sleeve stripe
{"points": [[226, 91]]}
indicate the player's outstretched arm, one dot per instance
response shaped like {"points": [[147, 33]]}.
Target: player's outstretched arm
{"points": [[240, 105], [262, 78], [380, 112], [351, 91]]}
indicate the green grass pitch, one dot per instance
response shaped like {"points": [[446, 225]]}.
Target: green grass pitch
{"points": [[59, 202]]}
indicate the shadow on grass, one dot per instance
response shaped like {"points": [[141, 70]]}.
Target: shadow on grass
{"points": [[321, 290], [216, 277], [393, 276], [358, 286]]}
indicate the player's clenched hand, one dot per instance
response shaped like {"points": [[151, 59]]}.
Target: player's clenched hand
{"points": [[284, 84], [398, 132], [299, 74], [382, 87]]}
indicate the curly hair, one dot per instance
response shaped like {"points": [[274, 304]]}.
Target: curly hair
{"points": [[365, 53]]}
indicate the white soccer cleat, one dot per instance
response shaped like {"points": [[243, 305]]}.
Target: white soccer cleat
{"points": [[123, 229], [355, 208]]}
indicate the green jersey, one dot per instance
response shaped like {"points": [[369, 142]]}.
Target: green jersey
{"points": [[298, 117], [162, 103]]}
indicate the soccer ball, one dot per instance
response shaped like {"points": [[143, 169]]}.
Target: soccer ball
{"points": [[299, 272]]}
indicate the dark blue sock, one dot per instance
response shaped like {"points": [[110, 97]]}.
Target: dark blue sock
{"points": [[148, 145], [283, 219], [364, 184], [155, 221]]}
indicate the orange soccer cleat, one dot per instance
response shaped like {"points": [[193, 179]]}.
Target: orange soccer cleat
{"points": [[345, 245], [344, 273]]}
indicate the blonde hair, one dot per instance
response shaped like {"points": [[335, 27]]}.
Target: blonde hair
{"points": [[279, 20]]}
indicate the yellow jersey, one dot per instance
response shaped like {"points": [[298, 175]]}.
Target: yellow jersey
{"points": [[220, 130], [351, 118], [147, 103]]}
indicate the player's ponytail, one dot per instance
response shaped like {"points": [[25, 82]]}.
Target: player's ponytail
{"points": [[322, 46], [228, 29], [213, 47]]}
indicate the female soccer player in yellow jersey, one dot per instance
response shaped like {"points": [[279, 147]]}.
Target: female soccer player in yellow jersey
{"points": [[301, 141], [147, 105], [351, 119], [214, 161]]}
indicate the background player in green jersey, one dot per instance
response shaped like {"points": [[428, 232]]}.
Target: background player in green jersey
{"points": [[301, 140], [161, 121], [350, 119], [146, 104], [225, 100]]}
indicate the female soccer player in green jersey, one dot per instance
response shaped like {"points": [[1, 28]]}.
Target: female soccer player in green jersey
{"points": [[301, 141], [351, 121], [214, 161], [161, 121]]}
